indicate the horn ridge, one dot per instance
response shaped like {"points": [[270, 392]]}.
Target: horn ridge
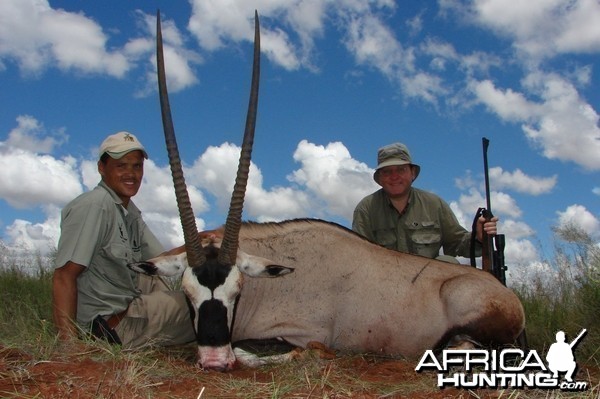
{"points": [[195, 252], [229, 245]]}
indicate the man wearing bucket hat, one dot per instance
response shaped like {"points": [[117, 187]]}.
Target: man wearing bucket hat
{"points": [[93, 290], [401, 217]]}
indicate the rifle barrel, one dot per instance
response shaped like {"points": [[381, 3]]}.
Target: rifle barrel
{"points": [[486, 144]]}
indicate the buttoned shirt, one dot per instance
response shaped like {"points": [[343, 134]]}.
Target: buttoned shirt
{"points": [[98, 233], [426, 225]]}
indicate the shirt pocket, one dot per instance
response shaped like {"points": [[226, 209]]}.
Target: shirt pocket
{"points": [[386, 237], [120, 253], [426, 238]]}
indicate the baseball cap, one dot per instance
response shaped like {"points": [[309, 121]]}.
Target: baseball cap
{"points": [[120, 144]]}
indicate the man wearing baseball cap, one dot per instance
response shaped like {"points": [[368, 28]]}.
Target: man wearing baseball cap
{"points": [[401, 217], [93, 290]]}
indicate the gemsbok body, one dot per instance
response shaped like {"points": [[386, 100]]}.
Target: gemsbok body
{"points": [[353, 295], [344, 292]]}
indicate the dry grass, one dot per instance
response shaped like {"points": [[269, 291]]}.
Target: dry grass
{"points": [[98, 370]]}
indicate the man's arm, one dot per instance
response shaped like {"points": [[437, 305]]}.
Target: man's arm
{"points": [[64, 299], [361, 223]]}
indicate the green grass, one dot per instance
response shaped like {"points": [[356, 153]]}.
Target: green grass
{"points": [[26, 311]]}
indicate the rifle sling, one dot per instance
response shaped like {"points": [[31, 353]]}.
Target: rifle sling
{"points": [[474, 235]]}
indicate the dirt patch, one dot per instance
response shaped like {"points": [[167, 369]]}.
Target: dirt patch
{"points": [[172, 374]]}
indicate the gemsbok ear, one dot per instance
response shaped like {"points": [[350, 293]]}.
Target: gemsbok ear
{"points": [[256, 266]]}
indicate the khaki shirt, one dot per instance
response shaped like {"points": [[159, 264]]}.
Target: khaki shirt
{"points": [[426, 225], [98, 233]]}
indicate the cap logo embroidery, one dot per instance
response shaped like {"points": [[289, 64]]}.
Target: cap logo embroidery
{"points": [[127, 137]]}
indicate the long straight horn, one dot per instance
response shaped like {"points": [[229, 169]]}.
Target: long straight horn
{"points": [[229, 245], [195, 253]]}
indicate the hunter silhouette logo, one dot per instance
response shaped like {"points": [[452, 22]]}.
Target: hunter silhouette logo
{"points": [[560, 355], [506, 368]]}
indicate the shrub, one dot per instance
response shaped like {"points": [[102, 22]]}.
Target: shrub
{"points": [[569, 300]]}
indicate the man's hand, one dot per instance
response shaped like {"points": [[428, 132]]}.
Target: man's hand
{"points": [[490, 227]]}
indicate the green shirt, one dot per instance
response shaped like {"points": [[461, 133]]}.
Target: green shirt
{"points": [[426, 225], [98, 233]]}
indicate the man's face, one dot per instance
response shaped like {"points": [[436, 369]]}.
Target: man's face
{"points": [[123, 176], [396, 180]]}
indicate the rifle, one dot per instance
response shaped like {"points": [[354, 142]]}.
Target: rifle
{"points": [[492, 257]]}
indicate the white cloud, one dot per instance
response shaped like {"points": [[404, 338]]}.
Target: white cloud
{"points": [[443, 53], [466, 206], [579, 216], [290, 28], [30, 179], [36, 237], [29, 135], [37, 36], [325, 172], [215, 171], [568, 128], [562, 124], [372, 43], [156, 199], [415, 25], [515, 229], [216, 24], [520, 252], [539, 28], [507, 104], [179, 61], [276, 204], [521, 182], [333, 176], [503, 205], [89, 174], [158, 196]]}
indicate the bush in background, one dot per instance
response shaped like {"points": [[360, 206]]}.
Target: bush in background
{"points": [[568, 300]]}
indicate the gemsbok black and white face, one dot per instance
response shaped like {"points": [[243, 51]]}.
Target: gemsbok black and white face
{"points": [[212, 270], [212, 290]]}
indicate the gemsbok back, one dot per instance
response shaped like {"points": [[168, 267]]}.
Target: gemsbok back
{"points": [[344, 292]]}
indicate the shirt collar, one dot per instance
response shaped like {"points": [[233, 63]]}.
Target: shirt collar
{"points": [[131, 208], [389, 202]]}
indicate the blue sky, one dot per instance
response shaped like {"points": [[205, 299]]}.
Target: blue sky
{"points": [[339, 80]]}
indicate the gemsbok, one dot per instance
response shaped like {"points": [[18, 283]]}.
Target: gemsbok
{"points": [[344, 292]]}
